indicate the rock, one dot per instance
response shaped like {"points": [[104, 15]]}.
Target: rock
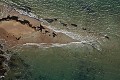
{"points": [[64, 24], [54, 34], [84, 28], [12, 18], [2, 68], [18, 38], [1, 52], [55, 19], [1, 47], [40, 28], [49, 20], [2, 72], [106, 37], [75, 25], [47, 31], [2, 58]]}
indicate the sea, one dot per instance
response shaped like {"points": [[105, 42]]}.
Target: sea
{"points": [[96, 55]]}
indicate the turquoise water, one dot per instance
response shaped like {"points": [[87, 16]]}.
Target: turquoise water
{"points": [[97, 60]]}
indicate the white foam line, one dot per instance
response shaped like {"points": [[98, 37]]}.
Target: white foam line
{"points": [[74, 36], [52, 44], [82, 43], [26, 13], [30, 14], [46, 45], [70, 34]]}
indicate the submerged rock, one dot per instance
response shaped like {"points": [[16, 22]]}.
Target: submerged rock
{"points": [[50, 20], [64, 24], [84, 28], [25, 8]]}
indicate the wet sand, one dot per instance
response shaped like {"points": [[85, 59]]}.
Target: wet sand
{"points": [[17, 28]]}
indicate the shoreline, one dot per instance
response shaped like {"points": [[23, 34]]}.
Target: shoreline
{"points": [[21, 29]]}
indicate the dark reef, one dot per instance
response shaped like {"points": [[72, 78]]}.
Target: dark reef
{"points": [[3, 60], [24, 22], [10, 62]]}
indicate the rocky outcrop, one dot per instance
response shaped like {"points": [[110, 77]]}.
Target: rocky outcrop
{"points": [[4, 58]]}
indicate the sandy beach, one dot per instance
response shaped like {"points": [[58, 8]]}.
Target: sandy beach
{"points": [[17, 29]]}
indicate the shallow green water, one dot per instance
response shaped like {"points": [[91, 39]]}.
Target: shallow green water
{"points": [[75, 61], [71, 63]]}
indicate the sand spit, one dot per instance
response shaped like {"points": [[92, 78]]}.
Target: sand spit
{"points": [[17, 28]]}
